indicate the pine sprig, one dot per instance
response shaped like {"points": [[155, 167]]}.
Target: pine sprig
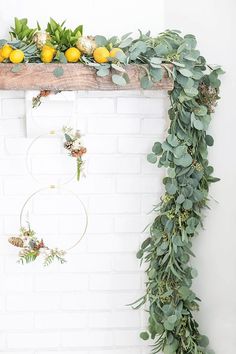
{"points": [[31, 247]]}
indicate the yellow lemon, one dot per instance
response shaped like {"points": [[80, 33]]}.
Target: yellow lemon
{"points": [[72, 55], [6, 51], [53, 50], [47, 55], [101, 55], [17, 56], [1, 57], [114, 51]]}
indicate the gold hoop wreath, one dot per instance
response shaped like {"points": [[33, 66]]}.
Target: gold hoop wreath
{"points": [[31, 246], [73, 145]]}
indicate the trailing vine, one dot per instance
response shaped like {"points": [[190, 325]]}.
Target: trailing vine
{"points": [[167, 250]]}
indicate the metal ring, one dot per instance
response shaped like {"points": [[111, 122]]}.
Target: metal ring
{"points": [[50, 133], [69, 191]]}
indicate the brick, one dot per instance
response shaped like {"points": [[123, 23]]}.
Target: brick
{"points": [[12, 94], [117, 319], [153, 126], [11, 127], [95, 105], [61, 321], [11, 205], [115, 282], [127, 338], [53, 165], [32, 302], [14, 107], [85, 263], [101, 144], [121, 300], [87, 339], [58, 204], [13, 166], [130, 223], [138, 184], [3, 342], [20, 186], [114, 204], [100, 224], [54, 109], [17, 283], [100, 243], [134, 145], [11, 322], [114, 164], [110, 125], [141, 105], [125, 242], [94, 184], [86, 300], [117, 351], [32, 340], [126, 262], [55, 283]]}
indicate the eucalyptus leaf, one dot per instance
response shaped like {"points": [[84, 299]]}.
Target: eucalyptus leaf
{"points": [[58, 72], [209, 140], [203, 341], [17, 68], [185, 72], [157, 148], [144, 335], [118, 80], [152, 158], [171, 188], [101, 41], [187, 204], [185, 160]]}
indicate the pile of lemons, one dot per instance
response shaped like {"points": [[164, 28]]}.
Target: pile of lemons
{"points": [[73, 55], [15, 56]]}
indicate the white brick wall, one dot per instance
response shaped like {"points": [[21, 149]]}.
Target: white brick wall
{"points": [[79, 307]]}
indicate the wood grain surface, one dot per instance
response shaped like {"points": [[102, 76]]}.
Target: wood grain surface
{"points": [[76, 77]]}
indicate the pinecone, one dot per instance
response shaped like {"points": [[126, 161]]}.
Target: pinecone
{"points": [[16, 241], [68, 145]]}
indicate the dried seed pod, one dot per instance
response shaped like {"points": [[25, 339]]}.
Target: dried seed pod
{"points": [[86, 45], [16, 241], [41, 38]]}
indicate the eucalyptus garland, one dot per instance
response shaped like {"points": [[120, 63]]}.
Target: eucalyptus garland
{"points": [[178, 219]]}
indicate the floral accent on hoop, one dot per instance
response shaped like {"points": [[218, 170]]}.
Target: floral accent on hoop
{"points": [[36, 101], [73, 144], [33, 247]]}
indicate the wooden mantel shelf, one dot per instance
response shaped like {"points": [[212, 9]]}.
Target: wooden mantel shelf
{"points": [[76, 77]]}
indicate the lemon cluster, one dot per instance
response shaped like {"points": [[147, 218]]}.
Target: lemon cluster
{"points": [[48, 52], [15, 56]]}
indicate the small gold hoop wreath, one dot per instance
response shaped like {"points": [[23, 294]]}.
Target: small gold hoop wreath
{"points": [[52, 133], [31, 247]]}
